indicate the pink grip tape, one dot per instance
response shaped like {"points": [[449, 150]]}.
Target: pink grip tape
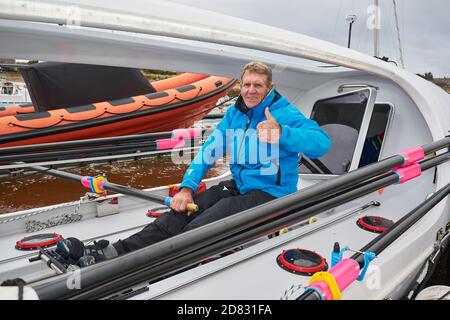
{"points": [[190, 133], [408, 173], [345, 273], [85, 182], [163, 144], [412, 155]]}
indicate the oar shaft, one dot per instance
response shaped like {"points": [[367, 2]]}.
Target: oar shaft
{"points": [[146, 137], [190, 241], [84, 143], [114, 187], [144, 146], [186, 249], [382, 241]]}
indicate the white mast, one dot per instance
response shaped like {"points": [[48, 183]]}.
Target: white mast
{"points": [[376, 34]]}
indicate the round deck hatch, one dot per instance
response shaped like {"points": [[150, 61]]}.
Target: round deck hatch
{"points": [[38, 241], [301, 261], [374, 223]]}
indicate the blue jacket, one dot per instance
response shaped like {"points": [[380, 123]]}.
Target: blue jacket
{"points": [[255, 165]]}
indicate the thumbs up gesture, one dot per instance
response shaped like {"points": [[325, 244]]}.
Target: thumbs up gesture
{"points": [[269, 130]]}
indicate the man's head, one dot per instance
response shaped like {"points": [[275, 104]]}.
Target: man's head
{"points": [[256, 82]]}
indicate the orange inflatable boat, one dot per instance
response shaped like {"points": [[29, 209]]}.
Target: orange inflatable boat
{"points": [[177, 102]]}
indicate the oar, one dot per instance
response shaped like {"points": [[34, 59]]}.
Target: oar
{"points": [[194, 245], [348, 267], [190, 133], [84, 143], [103, 184], [154, 145]]}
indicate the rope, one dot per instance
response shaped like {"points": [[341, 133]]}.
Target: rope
{"points": [[98, 116], [27, 127], [17, 282], [196, 95]]}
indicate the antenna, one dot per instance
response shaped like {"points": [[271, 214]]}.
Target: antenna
{"points": [[350, 19], [402, 63]]}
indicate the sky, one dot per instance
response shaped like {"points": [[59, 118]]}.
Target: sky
{"points": [[424, 25]]}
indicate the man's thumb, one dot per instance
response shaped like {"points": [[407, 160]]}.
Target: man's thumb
{"points": [[268, 115]]}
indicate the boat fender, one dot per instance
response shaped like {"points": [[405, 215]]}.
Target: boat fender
{"points": [[94, 183]]}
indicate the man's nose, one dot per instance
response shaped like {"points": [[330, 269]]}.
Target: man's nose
{"points": [[252, 88]]}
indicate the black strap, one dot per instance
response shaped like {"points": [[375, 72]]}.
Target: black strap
{"points": [[18, 282]]}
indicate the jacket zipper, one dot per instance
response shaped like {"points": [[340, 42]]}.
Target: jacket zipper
{"points": [[279, 175]]}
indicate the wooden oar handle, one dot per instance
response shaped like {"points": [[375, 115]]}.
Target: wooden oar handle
{"points": [[192, 207]]}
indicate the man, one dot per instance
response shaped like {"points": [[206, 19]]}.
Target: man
{"points": [[263, 134]]}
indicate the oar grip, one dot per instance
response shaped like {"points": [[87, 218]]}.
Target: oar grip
{"points": [[192, 207]]}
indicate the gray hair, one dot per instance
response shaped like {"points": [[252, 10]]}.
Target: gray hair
{"points": [[260, 68]]}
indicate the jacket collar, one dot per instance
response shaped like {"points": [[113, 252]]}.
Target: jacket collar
{"points": [[270, 99]]}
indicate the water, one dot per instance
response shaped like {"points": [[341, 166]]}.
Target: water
{"points": [[41, 190]]}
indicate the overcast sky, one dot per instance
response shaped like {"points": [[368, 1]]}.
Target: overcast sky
{"points": [[424, 25]]}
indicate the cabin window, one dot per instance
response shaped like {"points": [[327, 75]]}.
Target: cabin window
{"points": [[346, 120], [375, 135]]}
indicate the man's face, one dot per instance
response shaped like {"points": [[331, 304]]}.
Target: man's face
{"points": [[254, 88]]}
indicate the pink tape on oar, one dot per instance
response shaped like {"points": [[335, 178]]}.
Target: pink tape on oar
{"points": [[345, 273], [85, 182], [95, 184], [189, 133], [408, 173], [163, 144], [411, 156]]}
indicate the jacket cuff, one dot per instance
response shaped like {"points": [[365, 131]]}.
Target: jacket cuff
{"points": [[189, 184]]}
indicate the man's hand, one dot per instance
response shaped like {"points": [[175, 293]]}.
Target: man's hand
{"points": [[181, 199], [269, 130]]}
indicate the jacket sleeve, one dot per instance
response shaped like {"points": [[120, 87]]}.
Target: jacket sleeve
{"points": [[213, 149], [300, 134]]}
